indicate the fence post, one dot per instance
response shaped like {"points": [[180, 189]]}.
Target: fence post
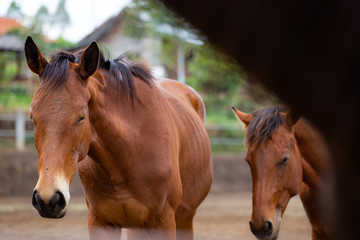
{"points": [[20, 131]]}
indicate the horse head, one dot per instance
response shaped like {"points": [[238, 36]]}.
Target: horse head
{"points": [[59, 111], [275, 163]]}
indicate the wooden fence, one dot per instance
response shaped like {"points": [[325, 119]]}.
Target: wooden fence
{"points": [[20, 133]]}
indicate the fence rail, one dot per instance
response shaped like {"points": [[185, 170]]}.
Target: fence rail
{"points": [[224, 140], [20, 132]]}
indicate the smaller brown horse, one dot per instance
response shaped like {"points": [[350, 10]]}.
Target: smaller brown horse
{"points": [[139, 144], [287, 156]]}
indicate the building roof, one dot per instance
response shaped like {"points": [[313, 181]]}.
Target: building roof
{"points": [[10, 42], [103, 31], [6, 24]]}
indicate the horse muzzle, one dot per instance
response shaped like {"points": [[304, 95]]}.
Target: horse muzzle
{"points": [[266, 231], [54, 208]]}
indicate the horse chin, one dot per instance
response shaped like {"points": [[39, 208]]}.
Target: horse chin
{"points": [[277, 233], [50, 214]]}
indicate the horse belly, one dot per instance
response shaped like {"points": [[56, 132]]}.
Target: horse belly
{"points": [[195, 168]]}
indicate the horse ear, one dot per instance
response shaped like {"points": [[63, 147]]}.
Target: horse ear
{"points": [[35, 60], [243, 117], [292, 117], [89, 61]]}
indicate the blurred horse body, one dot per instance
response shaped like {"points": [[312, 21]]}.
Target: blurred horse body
{"points": [[140, 146], [287, 156]]}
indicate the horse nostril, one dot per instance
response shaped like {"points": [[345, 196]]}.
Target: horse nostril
{"points": [[267, 228], [57, 202], [37, 202]]}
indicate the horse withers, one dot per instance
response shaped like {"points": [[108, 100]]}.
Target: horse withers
{"points": [[287, 156], [139, 144]]}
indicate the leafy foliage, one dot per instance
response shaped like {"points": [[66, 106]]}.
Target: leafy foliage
{"points": [[14, 98], [218, 79], [61, 17], [17, 95], [38, 24], [14, 11]]}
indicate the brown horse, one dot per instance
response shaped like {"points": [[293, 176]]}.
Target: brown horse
{"points": [[287, 156], [139, 144]]}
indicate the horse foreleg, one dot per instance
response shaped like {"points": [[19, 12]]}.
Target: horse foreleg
{"points": [[100, 231], [310, 200], [151, 234], [162, 227]]}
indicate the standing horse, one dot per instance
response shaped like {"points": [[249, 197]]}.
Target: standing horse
{"points": [[139, 145], [287, 156]]}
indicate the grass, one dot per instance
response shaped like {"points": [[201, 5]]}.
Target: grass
{"points": [[219, 117], [13, 99], [9, 143]]}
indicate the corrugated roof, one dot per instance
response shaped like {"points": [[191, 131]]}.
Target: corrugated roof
{"points": [[10, 42]]}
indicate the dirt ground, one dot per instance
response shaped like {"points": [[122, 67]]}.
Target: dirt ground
{"points": [[221, 216], [224, 215]]}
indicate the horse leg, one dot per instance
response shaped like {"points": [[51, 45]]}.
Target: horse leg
{"points": [[162, 227], [157, 233], [100, 231], [137, 234], [310, 200], [184, 223]]}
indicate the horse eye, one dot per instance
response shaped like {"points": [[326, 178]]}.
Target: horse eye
{"points": [[81, 119], [285, 160]]}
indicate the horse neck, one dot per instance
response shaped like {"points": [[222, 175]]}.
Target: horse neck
{"points": [[314, 153], [120, 127], [110, 122]]}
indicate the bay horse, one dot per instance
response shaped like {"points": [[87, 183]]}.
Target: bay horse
{"points": [[139, 144], [287, 156]]}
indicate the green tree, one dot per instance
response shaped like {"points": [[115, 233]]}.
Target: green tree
{"points": [[218, 78], [61, 17], [43, 17], [14, 11], [39, 21]]}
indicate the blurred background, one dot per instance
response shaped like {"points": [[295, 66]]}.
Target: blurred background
{"points": [[146, 30]]}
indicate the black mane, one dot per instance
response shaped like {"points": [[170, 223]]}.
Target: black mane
{"points": [[56, 70], [121, 71], [265, 121], [124, 73]]}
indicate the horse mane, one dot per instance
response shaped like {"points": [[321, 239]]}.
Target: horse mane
{"points": [[121, 71], [55, 73], [265, 121], [124, 73]]}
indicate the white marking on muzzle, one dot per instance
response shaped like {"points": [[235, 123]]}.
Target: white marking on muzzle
{"points": [[47, 187]]}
